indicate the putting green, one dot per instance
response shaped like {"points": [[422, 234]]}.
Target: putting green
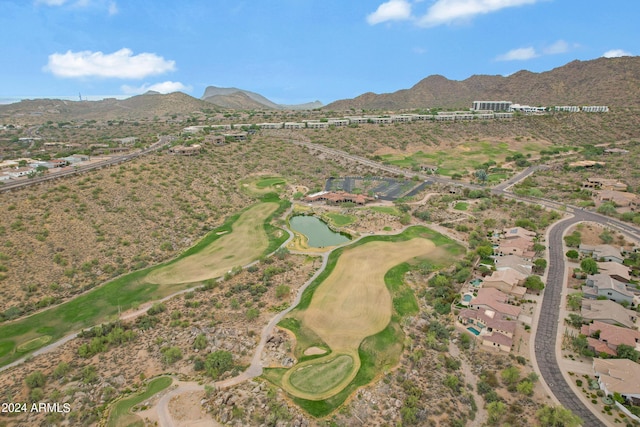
{"points": [[246, 243], [319, 376], [352, 303]]}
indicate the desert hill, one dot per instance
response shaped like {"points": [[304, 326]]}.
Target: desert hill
{"points": [[240, 99], [137, 107], [602, 81]]}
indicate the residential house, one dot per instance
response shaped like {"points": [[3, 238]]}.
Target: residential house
{"points": [[603, 337], [619, 198], [619, 376], [508, 281], [615, 270], [19, 172], [518, 233], [521, 247], [127, 141], [495, 300], [607, 311], [514, 262], [604, 184], [604, 253], [182, 150], [490, 327], [215, 140], [236, 136], [602, 285]]}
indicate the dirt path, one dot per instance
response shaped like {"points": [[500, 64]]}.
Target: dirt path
{"points": [[470, 378]]}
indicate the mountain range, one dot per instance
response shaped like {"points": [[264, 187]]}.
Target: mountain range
{"points": [[605, 81], [602, 81], [240, 99]]}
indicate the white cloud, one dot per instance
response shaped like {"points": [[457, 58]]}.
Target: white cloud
{"points": [[616, 53], [520, 54], [164, 87], [51, 2], [447, 11], [393, 10], [113, 8], [525, 53], [560, 46], [109, 5], [122, 64]]}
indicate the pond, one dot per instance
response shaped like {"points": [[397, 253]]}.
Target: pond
{"points": [[317, 232]]}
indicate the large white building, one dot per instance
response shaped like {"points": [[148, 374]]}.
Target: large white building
{"points": [[492, 105]]}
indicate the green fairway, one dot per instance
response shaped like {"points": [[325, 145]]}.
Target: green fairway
{"points": [[336, 312], [121, 412], [105, 302], [464, 157]]}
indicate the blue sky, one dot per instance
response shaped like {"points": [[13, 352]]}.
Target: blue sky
{"points": [[294, 51]]}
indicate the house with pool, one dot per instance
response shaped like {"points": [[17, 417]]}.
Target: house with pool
{"points": [[490, 318]]}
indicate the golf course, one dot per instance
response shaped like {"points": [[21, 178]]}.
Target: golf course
{"points": [[352, 311], [243, 238]]}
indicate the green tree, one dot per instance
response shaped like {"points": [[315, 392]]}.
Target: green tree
{"points": [[607, 208], [510, 376], [482, 175], [575, 320], [218, 362], [35, 379], [200, 343], [534, 283], [484, 251], [540, 265], [589, 266], [573, 240], [496, 411], [557, 416], [572, 254], [625, 351], [574, 301], [525, 387], [453, 382], [171, 355]]}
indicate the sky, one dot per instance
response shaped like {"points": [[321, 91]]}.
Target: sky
{"points": [[294, 51]]}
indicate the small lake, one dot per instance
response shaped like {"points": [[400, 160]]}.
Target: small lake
{"points": [[317, 232]]}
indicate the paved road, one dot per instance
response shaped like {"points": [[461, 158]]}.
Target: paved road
{"points": [[547, 326], [14, 185]]}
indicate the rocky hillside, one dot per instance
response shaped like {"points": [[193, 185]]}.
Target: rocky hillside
{"points": [[603, 81], [137, 107]]}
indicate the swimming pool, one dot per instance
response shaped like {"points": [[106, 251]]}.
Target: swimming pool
{"points": [[473, 330]]}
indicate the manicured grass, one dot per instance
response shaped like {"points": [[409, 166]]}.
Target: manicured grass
{"points": [[461, 206], [318, 378], [105, 302], [33, 344], [270, 182], [123, 407], [389, 210], [378, 352], [340, 220], [404, 301]]}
